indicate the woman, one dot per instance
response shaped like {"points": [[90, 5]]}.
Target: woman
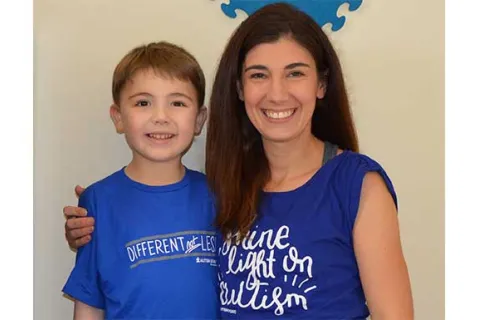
{"points": [[309, 226]]}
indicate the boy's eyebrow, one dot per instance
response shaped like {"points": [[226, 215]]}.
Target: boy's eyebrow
{"points": [[289, 66], [173, 94], [140, 94], [180, 94]]}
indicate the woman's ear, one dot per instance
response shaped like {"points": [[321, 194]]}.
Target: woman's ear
{"points": [[322, 84], [240, 90], [322, 89]]}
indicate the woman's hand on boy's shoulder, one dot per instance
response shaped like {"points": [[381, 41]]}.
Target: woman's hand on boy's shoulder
{"points": [[78, 226]]}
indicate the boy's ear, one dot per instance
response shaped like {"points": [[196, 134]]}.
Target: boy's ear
{"points": [[116, 117], [200, 121]]}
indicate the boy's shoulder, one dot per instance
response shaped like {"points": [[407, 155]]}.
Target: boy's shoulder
{"points": [[117, 181], [108, 183], [196, 176], [99, 192], [198, 181]]}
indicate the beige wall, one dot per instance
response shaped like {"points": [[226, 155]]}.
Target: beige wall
{"points": [[392, 52]]}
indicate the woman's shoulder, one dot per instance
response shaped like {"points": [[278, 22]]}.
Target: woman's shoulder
{"points": [[351, 160], [351, 168], [347, 164]]}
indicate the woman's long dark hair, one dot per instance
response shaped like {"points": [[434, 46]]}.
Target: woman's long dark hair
{"points": [[236, 166]]}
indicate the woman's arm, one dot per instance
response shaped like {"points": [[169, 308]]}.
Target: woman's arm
{"points": [[378, 249]]}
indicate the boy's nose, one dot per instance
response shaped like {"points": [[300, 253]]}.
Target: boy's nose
{"points": [[159, 115]]}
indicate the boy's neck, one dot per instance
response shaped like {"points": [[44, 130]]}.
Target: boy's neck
{"points": [[155, 173]]}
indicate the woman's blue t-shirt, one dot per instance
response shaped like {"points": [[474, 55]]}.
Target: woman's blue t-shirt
{"points": [[299, 260]]}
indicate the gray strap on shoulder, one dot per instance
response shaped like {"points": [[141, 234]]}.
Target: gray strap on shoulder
{"points": [[329, 152]]}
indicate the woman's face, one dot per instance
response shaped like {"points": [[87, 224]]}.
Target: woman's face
{"points": [[280, 86]]}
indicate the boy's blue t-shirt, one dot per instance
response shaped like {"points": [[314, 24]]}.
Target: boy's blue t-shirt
{"points": [[299, 262], [153, 250]]}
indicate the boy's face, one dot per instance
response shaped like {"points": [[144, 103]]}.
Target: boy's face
{"points": [[159, 116]]}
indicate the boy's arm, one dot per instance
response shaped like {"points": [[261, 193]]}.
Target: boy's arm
{"points": [[83, 311], [84, 285]]}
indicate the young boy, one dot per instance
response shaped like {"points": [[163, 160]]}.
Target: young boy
{"points": [[153, 251]]}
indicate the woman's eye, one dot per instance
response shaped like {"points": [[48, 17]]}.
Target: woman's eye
{"points": [[296, 74], [142, 103], [178, 104], [258, 75]]}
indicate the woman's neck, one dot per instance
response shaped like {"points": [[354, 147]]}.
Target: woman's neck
{"points": [[294, 162]]}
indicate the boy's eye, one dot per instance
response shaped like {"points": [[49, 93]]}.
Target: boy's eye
{"points": [[178, 104], [142, 103]]}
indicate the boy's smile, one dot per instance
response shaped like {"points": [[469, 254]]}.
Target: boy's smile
{"points": [[160, 138]]}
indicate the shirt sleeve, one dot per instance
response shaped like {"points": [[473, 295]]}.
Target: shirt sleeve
{"points": [[83, 284], [358, 168]]}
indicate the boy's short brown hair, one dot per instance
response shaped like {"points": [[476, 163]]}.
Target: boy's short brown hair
{"points": [[166, 59]]}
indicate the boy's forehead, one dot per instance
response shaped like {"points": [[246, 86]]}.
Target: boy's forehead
{"points": [[157, 81], [151, 75]]}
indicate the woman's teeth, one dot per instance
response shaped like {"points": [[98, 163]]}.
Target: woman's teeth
{"points": [[278, 115]]}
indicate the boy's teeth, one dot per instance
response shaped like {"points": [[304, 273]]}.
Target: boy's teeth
{"points": [[278, 115], [159, 136]]}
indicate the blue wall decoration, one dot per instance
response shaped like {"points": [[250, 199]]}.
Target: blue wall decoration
{"points": [[323, 11]]}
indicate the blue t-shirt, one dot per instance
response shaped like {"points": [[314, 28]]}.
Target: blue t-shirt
{"points": [[299, 262], [153, 250]]}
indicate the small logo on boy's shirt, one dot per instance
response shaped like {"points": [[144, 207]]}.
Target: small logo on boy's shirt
{"points": [[211, 261], [200, 244]]}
